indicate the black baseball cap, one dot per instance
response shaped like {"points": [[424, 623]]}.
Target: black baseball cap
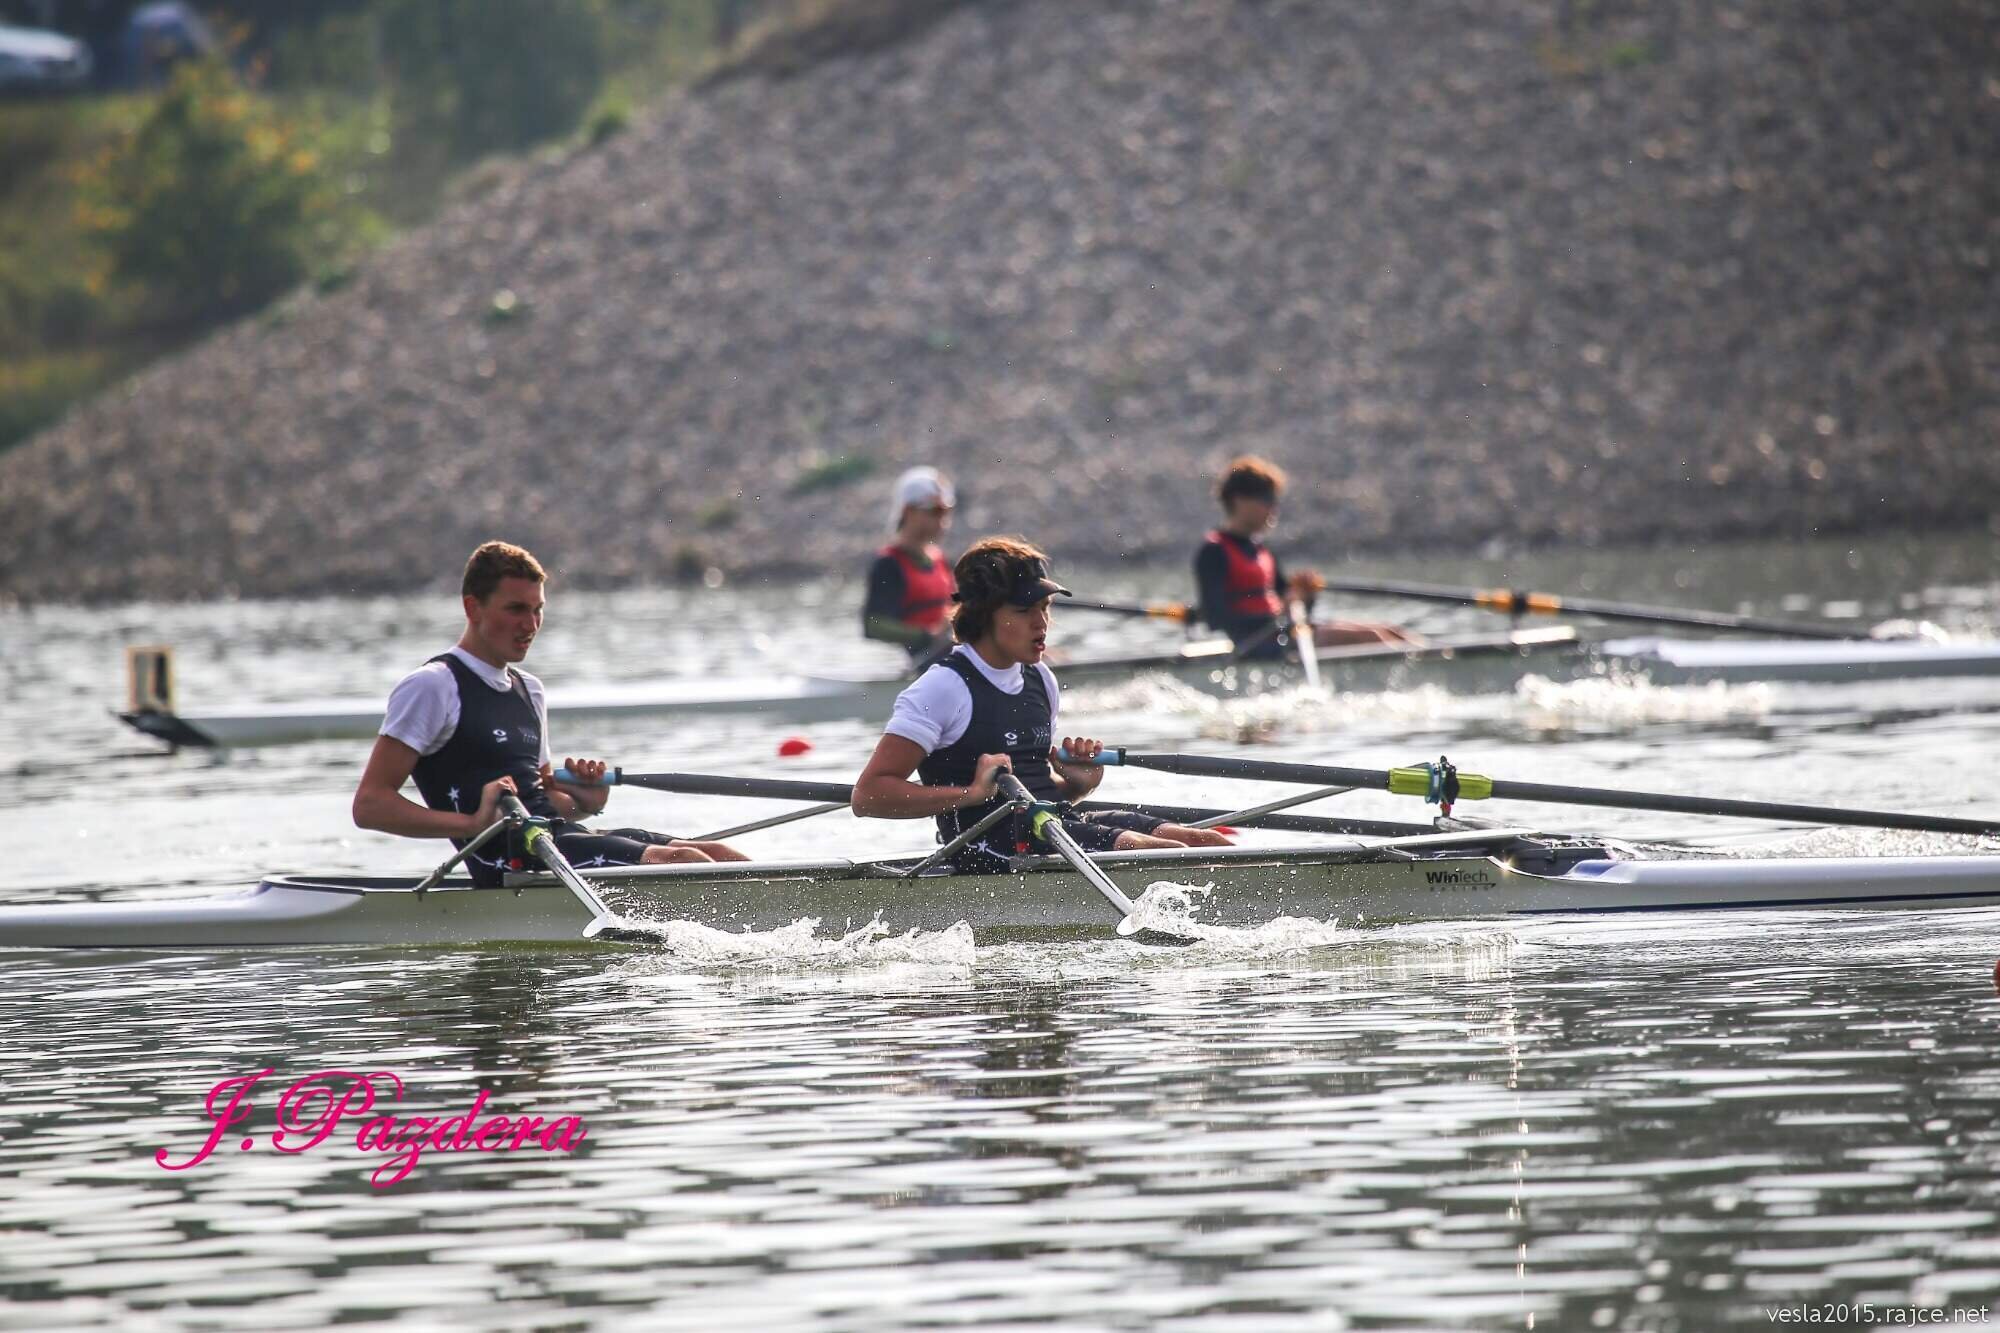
{"points": [[1019, 583]]}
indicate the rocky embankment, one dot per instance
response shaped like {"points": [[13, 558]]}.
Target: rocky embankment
{"points": [[1522, 271]]}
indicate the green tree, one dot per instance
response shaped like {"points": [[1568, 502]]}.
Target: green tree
{"points": [[213, 205]]}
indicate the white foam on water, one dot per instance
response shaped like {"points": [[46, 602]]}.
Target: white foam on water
{"points": [[1254, 717], [1877, 842], [801, 945], [1620, 700]]}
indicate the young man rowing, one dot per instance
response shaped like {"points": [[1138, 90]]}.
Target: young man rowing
{"points": [[991, 705], [1242, 588], [469, 726]]}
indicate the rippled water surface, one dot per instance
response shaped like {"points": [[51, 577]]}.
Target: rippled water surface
{"points": [[1686, 1122]]}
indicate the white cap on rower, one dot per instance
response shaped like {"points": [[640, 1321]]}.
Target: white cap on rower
{"points": [[919, 486]]}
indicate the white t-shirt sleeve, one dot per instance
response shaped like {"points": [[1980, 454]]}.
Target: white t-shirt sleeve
{"points": [[934, 712], [541, 703], [423, 709]]}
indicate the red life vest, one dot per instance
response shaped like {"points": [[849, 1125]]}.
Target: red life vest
{"points": [[926, 592], [1251, 581]]}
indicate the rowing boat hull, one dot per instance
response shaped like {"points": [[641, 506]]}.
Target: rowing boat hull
{"points": [[824, 698], [1802, 661], [1247, 888], [1483, 662]]}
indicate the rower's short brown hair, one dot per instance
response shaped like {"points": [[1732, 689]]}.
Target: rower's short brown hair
{"points": [[984, 575], [1257, 478], [495, 561]]}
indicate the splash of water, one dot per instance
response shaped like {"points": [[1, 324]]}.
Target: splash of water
{"points": [[801, 945], [1255, 717], [1171, 908], [1621, 700]]}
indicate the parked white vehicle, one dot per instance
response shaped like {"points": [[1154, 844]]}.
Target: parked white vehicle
{"points": [[36, 60]]}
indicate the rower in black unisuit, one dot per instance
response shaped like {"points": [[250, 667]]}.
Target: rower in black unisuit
{"points": [[499, 733], [469, 727], [992, 704]]}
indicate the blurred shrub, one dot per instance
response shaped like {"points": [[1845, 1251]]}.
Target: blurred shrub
{"points": [[832, 473], [214, 204], [493, 76]]}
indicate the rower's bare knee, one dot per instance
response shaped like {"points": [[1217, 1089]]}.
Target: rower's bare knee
{"points": [[673, 854], [720, 851], [1191, 837], [1128, 841]]}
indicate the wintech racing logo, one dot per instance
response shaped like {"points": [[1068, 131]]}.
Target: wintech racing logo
{"points": [[1478, 877]]}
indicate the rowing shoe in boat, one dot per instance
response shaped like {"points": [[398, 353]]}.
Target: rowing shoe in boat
{"points": [[1503, 873]]}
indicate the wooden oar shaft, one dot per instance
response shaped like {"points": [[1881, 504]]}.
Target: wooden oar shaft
{"points": [[1516, 602], [1479, 787], [1157, 610]]}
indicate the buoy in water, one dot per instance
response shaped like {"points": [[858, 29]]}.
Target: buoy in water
{"points": [[794, 745]]}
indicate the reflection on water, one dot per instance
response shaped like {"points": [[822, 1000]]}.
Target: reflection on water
{"points": [[1670, 1123], [1589, 1125]]}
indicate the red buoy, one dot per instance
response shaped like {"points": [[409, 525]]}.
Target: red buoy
{"points": [[794, 745]]}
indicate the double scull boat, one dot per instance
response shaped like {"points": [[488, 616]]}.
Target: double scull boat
{"points": [[1481, 873]]}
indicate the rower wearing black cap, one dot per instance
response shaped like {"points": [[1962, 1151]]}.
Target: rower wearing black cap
{"points": [[991, 705]]}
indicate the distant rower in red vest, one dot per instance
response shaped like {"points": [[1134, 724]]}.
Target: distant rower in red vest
{"points": [[910, 583], [1243, 588]]}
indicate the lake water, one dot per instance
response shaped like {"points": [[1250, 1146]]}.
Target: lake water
{"points": [[1687, 1122]]}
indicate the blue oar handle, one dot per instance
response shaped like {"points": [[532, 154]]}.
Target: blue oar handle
{"points": [[612, 777], [1108, 756]]}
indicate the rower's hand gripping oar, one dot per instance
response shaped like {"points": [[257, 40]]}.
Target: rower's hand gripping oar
{"points": [[1442, 785], [541, 845]]}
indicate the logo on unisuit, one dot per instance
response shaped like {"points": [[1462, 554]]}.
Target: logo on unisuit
{"points": [[313, 1109]]}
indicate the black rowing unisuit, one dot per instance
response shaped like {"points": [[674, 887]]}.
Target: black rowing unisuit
{"points": [[499, 734], [1018, 725]]}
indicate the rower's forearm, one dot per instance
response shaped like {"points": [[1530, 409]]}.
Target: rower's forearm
{"points": [[906, 800], [1078, 782], [578, 802], [394, 813]]}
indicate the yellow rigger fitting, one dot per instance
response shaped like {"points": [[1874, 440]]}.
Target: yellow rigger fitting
{"points": [[1417, 782]]}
